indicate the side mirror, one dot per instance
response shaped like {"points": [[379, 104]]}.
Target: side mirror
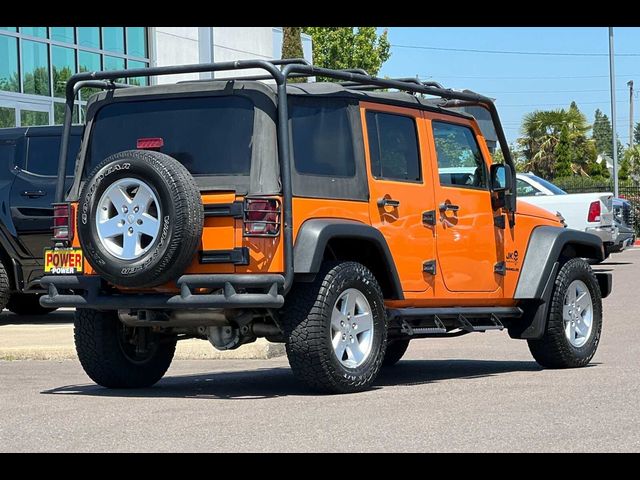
{"points": [[501, 178], [502, 185]]}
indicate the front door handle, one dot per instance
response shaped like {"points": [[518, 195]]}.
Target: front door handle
{"points": [[33, 193], [444, 206], [388, 202]]}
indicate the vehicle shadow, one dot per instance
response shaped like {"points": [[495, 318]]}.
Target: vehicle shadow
{"points": [[616, 263], [279, 381], [8, 318]]}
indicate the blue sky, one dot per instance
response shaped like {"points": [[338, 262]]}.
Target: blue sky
{"points": [[522, 83]]}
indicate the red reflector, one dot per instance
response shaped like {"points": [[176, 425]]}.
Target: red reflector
{"points": [[594, 212], [149, 143]]}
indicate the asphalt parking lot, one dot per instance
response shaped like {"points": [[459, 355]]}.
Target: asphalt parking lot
{"points": [[480, 392]]}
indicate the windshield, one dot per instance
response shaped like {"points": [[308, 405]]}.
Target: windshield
{"points": [[548, 185], [208, 135]]}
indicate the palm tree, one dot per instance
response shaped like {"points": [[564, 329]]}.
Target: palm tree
{"points": [[541, 130]]}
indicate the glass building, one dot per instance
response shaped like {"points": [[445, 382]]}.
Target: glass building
{"points": [[35, 62]]}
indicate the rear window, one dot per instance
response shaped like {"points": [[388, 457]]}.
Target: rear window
{"points": [[208, 135], [322, 142], [43, 152]]}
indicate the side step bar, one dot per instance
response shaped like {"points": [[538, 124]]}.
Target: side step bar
{"points": [[439, 321]]}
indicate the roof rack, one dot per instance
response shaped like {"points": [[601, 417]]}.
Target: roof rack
{"points": [[291, 68], [365, 87]]}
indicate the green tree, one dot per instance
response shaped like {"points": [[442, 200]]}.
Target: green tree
{"points": [[636, 134], [497, 156], [624, 170], [564, 153], [603, 135], [349, 47], [631, 159], [292, 46]]}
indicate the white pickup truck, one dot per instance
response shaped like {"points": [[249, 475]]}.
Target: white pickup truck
{"points": [[590, 212]]}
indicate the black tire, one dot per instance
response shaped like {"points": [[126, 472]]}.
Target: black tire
{"points": [[181, 222], [306, 321], [5, 287], [110, 360], [395, 351], [554, 350], [27, 304]]}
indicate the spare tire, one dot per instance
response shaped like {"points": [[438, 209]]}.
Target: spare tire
{"points": [[140, 218]]}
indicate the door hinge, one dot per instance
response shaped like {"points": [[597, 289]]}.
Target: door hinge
{"points": [[500, 268], [429, 267], [499, 221], [429, 217]]}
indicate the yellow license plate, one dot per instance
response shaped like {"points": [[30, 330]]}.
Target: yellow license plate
{"points": [[64, 261]]}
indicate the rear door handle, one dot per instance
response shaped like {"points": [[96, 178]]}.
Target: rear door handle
{"points": [[33, 193], [444, 206], [388, 202]]}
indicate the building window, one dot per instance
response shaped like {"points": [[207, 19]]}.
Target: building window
{"points": [[35, 68], [34, 31], [7, 117], [32, 118], [136, 42], [9, 81], [113, 39], [89, 37], [62, 34], [63, 62], [36, 62]]}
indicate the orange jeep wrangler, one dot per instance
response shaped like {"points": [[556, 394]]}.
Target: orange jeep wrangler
{"points": [[328, 216]]}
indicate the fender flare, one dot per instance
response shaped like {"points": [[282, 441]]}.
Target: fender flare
{"points": [[313, 236], [539, 271], [543, 251]]}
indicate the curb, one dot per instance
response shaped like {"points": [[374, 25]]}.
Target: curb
{"points": [[55, 342]]}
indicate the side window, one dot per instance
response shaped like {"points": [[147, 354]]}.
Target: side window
{"points": [[43, 154], [524, 189], [460, 163], [393, 147], [322, 139]]}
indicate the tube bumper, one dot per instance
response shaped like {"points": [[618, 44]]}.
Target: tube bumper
{"points": [[88, 291]]}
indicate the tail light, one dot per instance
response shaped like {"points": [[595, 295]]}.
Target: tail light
{"points": [[62, 228], [261, 217], [594, 212]]}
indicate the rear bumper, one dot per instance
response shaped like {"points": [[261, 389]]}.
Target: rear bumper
{"points": [[231, 291], [606, 234], [623, 241]]}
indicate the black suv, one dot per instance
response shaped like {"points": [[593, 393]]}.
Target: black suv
{"points": [[29, 166]]}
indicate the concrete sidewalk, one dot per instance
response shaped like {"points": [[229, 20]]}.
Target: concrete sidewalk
{"points": [[50, 337]]}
